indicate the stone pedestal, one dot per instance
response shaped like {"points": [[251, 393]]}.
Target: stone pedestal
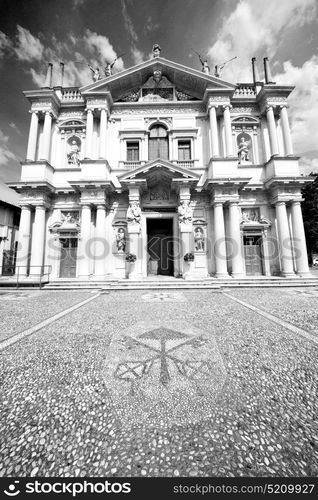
{"points": [[120, 265], [186, 232], [200, 269], [134, 271]]}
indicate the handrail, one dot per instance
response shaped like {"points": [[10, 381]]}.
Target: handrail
{"points": [[30, 271]]}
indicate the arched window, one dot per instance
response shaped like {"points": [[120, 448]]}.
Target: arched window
{"points": [[158, 143]]}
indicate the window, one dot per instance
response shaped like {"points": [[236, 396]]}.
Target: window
{"points": [[132, 151], [184, 150], [158, 143]]}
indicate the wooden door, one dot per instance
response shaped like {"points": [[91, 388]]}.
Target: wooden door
{"points": [[253, 256], [68, 257], [160, 245]]}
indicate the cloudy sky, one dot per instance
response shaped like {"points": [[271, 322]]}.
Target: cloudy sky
{"points": [[34, 32]]}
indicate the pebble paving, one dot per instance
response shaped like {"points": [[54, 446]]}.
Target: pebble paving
{"points": [[61, 417]]}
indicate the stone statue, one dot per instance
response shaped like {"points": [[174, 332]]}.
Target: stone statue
{"points": [[134, 212], [109, 66], [243, 152], [185, 212], [204, 62], [156, 49], [95, 73], [199, 240], [121, 240], [73, 155]]}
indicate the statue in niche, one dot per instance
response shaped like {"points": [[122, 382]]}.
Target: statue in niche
{"points": [[243, 150], [73, 156], [121, 240], [185, 212], [199, 239], [134, 213]]}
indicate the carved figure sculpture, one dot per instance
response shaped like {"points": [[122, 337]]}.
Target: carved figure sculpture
{"points": [[156, 49], [185, 212], [95, 74], [73, 155], [243, 152], [134, 212], [121, 240], [199, 240]]}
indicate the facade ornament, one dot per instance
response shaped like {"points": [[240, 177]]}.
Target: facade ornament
{"points": [[73, 156], [95, 74], [185, 212], [243, 150], [157, 75], [121, 240], [134, 213], [156, 49], [199, 243]]}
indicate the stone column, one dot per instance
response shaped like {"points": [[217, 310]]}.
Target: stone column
{"points": [[85, 247], [228, 131], [286, 256], [101, 250], [299, 239], [255, 146], [37, 244], [286, 131], [46, 145], [215, 151], [272, 130], [219, 241], [235, 236], [134, 239], [89, 133], [33, 136], [24, 241], [102, 133]]}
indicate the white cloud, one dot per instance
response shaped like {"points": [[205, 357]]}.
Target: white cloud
{"points": [[303, 103], [15, 127], [28, 47], [102, 49], [137, 55], [309, 165], [5, 154], [5, 43], [255, 27]]}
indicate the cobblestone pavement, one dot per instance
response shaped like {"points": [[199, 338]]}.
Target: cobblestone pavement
{"points": [[194, 385]]}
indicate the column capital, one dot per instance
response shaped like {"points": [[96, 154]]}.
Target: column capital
{"points": [[280, 203], [269, 107], [227, 106], [217, 203], [90, 110], [34, 112], [296, 202], [85, 204], [284, 105], [48, 113], [100, 206]]}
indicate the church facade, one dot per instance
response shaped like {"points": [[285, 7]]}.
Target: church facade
{"points": [[161, 170]]}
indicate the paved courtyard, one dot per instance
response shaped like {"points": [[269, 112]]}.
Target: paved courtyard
{"points": [[147, 383]]}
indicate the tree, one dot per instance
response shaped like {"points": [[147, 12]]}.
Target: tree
{"points": [[310, 216]]}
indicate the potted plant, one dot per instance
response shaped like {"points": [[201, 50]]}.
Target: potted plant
{"points": [[189, 257], [130, 259]]}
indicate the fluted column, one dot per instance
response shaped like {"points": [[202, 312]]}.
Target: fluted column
{"points": [[299, 239], [219, 241], [228, 131], [100, 241], [102, 133], [24, 241], [235, 236], [286, 256], [89, 133], [85, 247], [286, 131], [215, 151], [38, 239], [33, 136], [47, 128], [272, 130]]}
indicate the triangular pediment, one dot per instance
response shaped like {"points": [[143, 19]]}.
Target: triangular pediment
{"points": [[188, 80], [164, 167]]}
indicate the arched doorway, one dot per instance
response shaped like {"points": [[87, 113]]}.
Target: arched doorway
{"points": [[158, 143]]}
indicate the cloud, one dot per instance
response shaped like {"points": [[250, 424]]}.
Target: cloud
{"points": [[309, 165], [28, 47], [5, 44], [77, 3], [101, 47], [15, 127], [137, 55], [255, 27], [150, 26], [303, 102], [5, 154]]}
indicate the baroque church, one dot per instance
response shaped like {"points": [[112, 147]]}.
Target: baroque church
{"points": [[158, 170]]}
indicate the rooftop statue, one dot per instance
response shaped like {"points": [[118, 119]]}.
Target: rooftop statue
{"points": [[204, 62], [156, 49], [95, 73], [109, 66]]}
